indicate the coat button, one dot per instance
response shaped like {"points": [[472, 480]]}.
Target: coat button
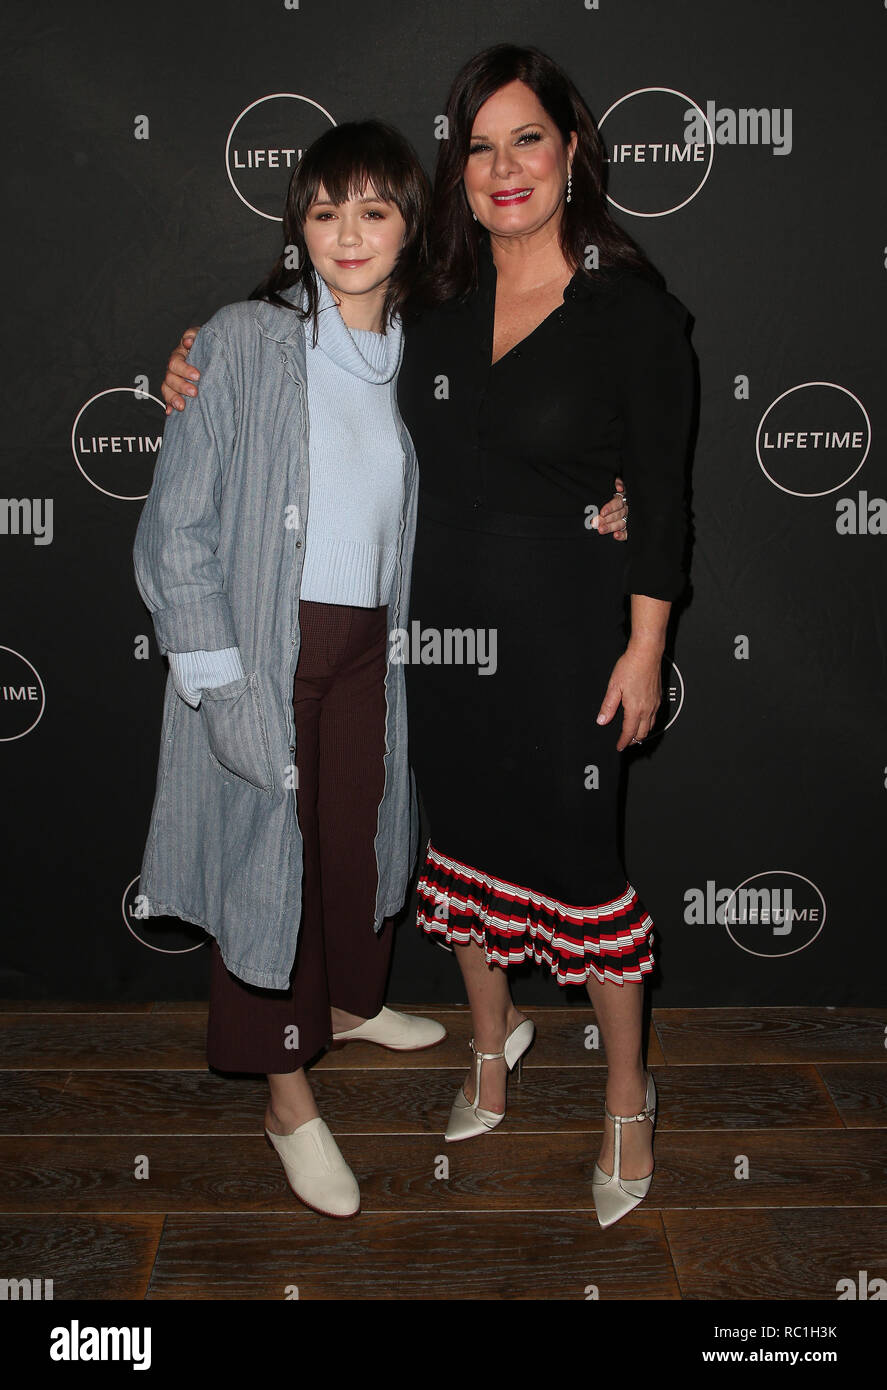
{"points": [[298, 545]]}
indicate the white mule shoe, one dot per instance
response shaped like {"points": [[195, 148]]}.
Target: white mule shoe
{"points": [[613, 1196], [399, 1032], [467, 1118], [315, 1169]]}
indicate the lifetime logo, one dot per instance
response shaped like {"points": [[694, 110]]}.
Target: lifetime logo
{"points": [[22, 695], [116, 438], [265, 144], [266, 159], [119, 444], [654, 177], [19, 692], [774, 913], [813, 438]]}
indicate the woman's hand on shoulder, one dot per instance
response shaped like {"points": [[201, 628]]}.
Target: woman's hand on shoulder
{"points": [[613, 516], [180, 376]]}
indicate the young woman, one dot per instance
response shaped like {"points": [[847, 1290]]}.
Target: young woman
{"points": [[274, 553], [519, 779]]}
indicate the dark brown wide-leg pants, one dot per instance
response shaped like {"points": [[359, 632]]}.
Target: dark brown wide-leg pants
{"points": [[339, 707]]}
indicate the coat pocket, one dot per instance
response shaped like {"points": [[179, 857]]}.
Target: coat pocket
{"points": [[235, 727]]}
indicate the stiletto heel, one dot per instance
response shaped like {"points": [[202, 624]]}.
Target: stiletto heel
{"points": [[613, 1195], [467, 1118]]}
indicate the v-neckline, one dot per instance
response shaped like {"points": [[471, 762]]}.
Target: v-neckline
{"points": [[541, 324], [519, 344]]}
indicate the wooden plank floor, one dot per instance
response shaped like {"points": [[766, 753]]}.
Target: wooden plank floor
{"points": [[91, 1097]]}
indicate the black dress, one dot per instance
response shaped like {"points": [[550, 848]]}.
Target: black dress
{"points": [[518, 607]]}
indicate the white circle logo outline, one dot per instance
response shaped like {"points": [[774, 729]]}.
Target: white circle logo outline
{"points": [[781, 955], [672, 91], [142, 396], [803, 386], [164, 950], [13, 737], [273, 96], [657, 733]]}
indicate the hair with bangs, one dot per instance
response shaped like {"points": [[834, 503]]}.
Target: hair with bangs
{"points": [[345, 159], [454, 235]]}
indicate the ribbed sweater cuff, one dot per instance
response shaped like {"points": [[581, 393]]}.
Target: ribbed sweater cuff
{"points": [[191, 670]]}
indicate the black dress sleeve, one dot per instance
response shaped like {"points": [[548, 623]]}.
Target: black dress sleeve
{"points": [[659, 392]]}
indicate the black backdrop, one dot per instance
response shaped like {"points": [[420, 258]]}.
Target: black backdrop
{"points": [[137, 204]]}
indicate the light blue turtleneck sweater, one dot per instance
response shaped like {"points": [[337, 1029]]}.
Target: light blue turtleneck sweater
{"points": [[356, 480]]}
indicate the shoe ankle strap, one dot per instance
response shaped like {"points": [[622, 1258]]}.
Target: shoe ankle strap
{"points": [[484, 1056], [645, 1114]]}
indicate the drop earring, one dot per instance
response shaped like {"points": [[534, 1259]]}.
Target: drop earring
{"points": [[474, 215], [569, 187]]}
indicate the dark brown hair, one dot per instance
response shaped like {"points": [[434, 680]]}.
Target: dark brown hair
{"points": [[344, 160], [454, 235]]}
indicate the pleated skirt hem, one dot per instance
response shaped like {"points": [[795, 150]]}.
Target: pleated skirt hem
{"points": [[459, 903]]}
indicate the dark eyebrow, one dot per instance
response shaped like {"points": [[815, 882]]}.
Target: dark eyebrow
{"points": [[513, 131], [327, 203]]}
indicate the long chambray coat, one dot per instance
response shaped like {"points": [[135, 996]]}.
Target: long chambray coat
{"points": [[218, 559]]}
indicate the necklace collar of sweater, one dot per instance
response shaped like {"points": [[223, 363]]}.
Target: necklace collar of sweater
{"points": [[371, 356]]}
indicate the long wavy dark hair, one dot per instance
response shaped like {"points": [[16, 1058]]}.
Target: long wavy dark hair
{"points": [[454, 236], [344, 159]]}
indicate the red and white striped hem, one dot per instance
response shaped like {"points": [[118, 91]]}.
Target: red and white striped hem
{"points": [[512, 923]]}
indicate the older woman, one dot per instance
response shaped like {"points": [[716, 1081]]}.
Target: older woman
{"points": [[550, 359]]}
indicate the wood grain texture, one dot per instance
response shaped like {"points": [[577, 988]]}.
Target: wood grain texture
{"points": [[86, 1257], [396, 1172], [771, 1035], [799, 1095], [492, 1256], [859, 1092], [177, 1039], [788, 1254], [417, 1101]]}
